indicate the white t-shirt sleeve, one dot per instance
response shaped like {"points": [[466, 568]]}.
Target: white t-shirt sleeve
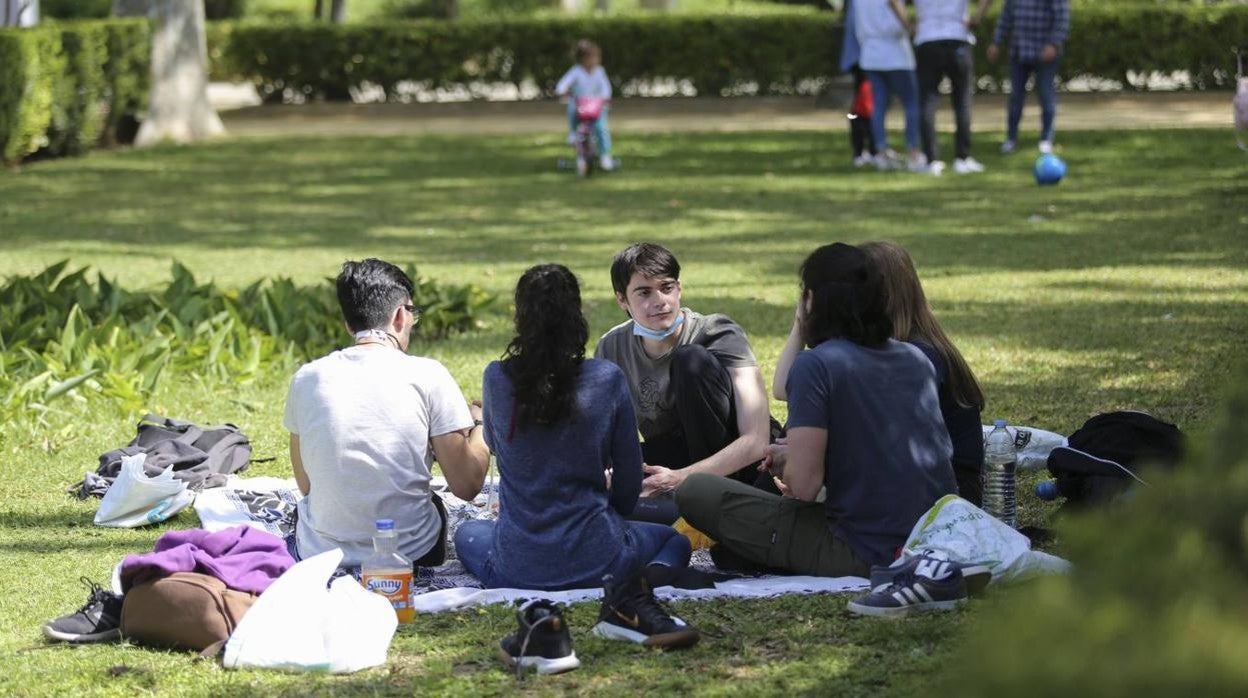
{"points": [[565, 82], [448, 411], [293, 396], [602, 86]]}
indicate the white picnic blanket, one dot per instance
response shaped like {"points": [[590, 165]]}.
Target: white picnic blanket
{"points": [[743, 588], [267, 503]]}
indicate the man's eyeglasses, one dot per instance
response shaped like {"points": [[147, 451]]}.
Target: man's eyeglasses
{"points": [[413, 310]]}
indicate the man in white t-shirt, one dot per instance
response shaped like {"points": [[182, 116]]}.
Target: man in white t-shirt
{"points": [[366, 424]]}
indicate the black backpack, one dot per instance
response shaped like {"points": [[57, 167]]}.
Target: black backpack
{"points": [[201, 456], [1112, 452]]}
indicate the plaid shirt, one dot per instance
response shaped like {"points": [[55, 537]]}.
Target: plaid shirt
{"points": [[1031, 24]]}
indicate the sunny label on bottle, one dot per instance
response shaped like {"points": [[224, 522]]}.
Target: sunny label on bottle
{"points": [[388, 572], [396, 586]]}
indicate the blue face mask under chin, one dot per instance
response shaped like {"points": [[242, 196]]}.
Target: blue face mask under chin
{"points": [[658, 335]]}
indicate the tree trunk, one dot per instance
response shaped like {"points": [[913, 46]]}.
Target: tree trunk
{"points": [[131, 8], [319, 11], [338, 11], [179, 110], [19, 13]]}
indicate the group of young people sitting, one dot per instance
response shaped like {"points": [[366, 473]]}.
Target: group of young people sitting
{"points": [[883, 421]]}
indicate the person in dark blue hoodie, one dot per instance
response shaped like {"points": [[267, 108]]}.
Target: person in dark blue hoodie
{"points": [[565, 438]]}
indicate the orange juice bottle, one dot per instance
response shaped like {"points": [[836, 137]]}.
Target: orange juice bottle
{"points": [[388, 572]]}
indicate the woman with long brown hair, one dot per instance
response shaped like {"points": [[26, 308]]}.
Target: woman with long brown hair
{"points": [[961, 399]]}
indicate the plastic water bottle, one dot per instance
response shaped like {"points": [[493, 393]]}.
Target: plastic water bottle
{"points": [[388, 572], [1000, 463]]}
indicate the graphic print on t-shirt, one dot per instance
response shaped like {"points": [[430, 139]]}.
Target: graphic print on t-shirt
{"points": [[649, 395]]}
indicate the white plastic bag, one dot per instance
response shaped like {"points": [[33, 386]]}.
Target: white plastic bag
{"points": [[134, 499], [299, 625], [963, 532]]}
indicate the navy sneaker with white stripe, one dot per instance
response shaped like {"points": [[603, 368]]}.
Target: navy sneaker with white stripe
{"points": [[977, 576], [932, 585]]}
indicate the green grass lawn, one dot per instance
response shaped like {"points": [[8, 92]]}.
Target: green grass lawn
{"points": [[1125, 286]]}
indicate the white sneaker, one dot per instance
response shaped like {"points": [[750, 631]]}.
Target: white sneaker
{"points": [[607, 163], [863, 160], [1046, 147], [967, 165], [936, 168], [1008, 147], [888, 160], [918, 163]]}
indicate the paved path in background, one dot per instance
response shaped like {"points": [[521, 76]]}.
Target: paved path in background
{"points": [[1076, 111]]}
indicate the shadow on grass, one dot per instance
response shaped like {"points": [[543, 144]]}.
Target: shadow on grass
{"points": [[764, 194]]}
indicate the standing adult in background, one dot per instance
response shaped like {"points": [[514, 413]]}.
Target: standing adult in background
{"points": [[883, 31], [1036, 30], [366, 424], [944, 47]]}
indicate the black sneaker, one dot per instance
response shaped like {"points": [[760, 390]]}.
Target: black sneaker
{"points": [[932, 585], [630, 612], [977, 576], [99, 619], [542, 641]]}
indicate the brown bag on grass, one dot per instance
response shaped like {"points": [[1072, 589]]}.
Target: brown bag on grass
{"points": [[186, 611]]}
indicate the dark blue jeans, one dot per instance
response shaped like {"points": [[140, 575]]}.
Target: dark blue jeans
{"points": [[1045, 74], [653, 544]]}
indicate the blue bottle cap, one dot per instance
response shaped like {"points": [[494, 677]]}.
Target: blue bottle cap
{"points": [[999, 423], [385, 524], [1047, 490]]}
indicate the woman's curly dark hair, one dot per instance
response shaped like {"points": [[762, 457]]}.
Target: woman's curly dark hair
{"points": [[544, 359]]}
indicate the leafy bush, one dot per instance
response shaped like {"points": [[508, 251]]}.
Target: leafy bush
{"points": [[64, 336], [225, 9], [418, 9], [784, 51], [54, 78], [75, 9], [1156, 603], [77, 119], [128, 76], [31, 63], [716, 54]]}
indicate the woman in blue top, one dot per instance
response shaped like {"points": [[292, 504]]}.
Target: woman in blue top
{"points": [[563, 431]]}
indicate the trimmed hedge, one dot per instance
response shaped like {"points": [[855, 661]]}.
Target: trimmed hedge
{"points": [[30, 61], [783, 52], [716, 54], [55, 80]]}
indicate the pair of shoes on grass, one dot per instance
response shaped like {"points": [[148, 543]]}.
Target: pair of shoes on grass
{"points": [[98, 620], [629, 612], [922, 582]]}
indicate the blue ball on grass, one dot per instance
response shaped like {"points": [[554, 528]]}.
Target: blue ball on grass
{"points": [[1049, 169]]}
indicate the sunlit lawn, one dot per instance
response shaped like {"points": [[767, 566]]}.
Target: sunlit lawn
{"points": [[1125, 286]]}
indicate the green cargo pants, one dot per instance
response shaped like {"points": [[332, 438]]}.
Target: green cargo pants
{"points": [[765, 528]]}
